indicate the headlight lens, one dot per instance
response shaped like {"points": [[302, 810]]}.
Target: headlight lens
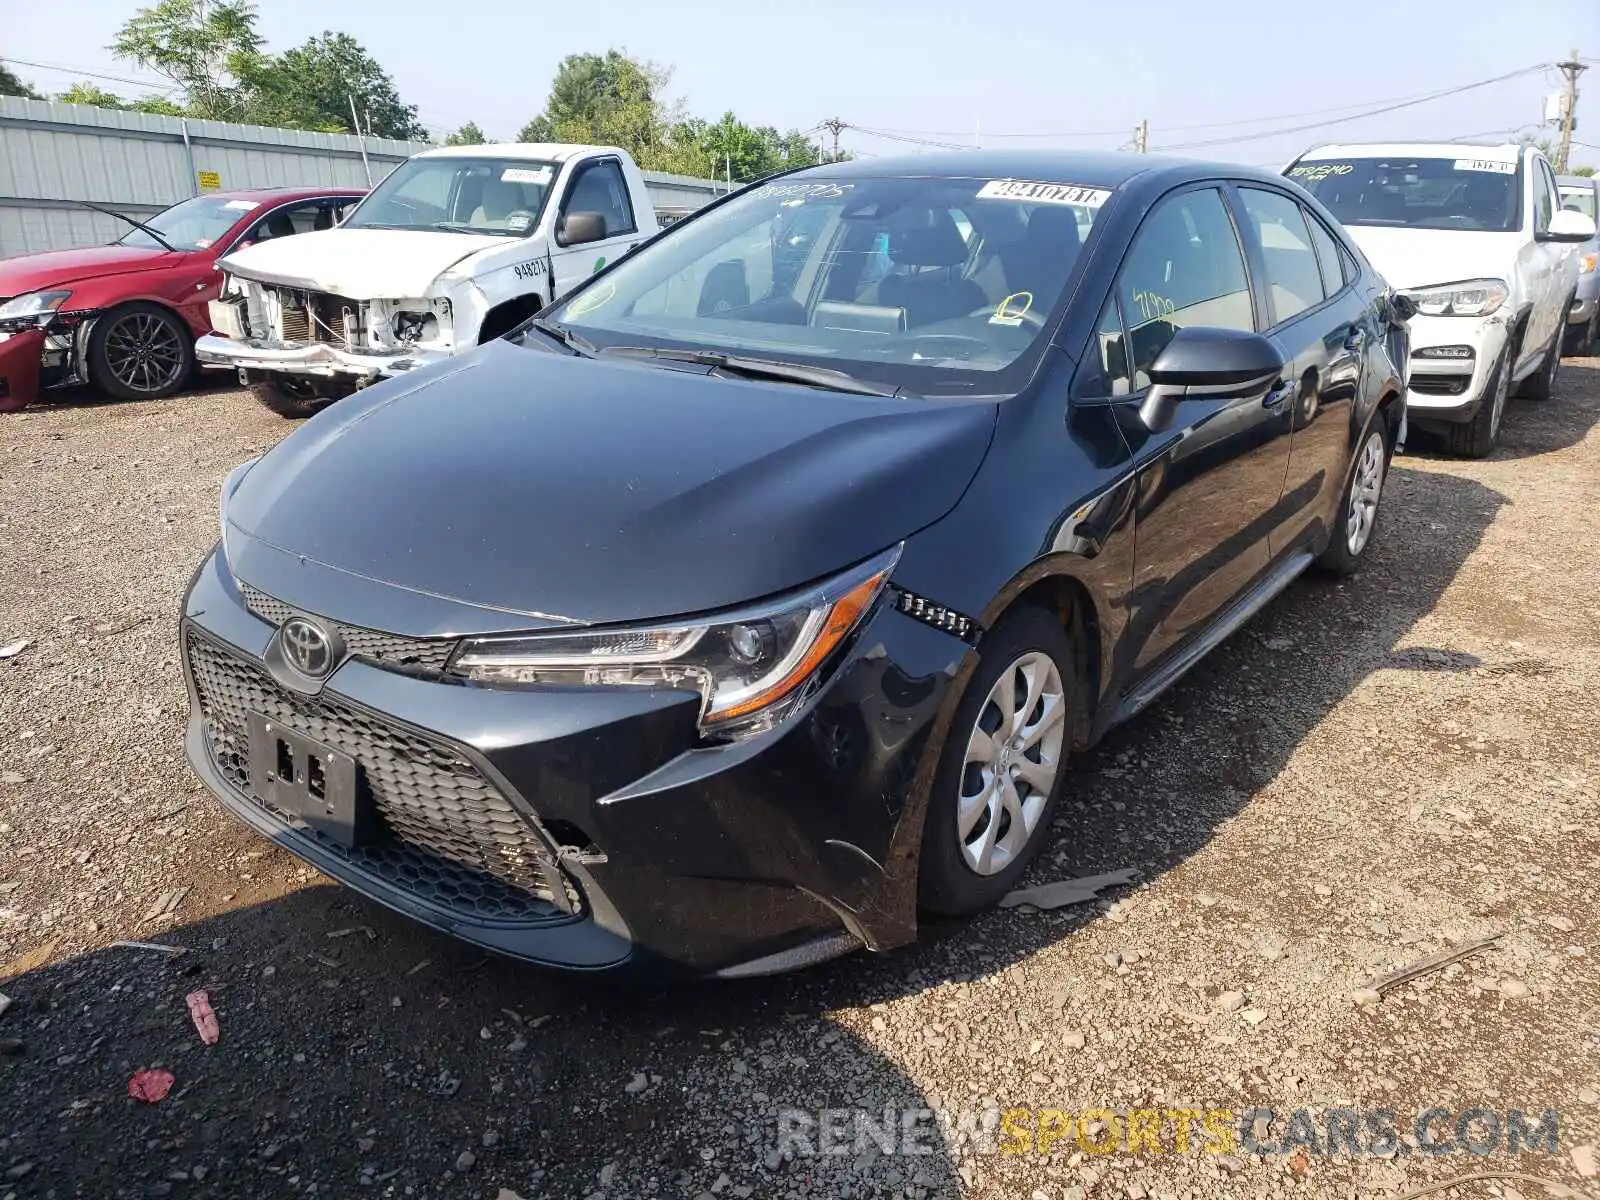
{"points": [[1472, 298], [752, 668], [33, 305]]}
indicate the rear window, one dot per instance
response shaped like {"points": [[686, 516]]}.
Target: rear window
{"points": [[1463, 193]]}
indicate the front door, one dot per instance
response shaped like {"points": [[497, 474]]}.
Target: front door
{"points": [[1207, 486], [597, 186]]}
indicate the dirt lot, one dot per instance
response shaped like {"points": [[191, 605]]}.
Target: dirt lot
{"points": [[1371, 772]]}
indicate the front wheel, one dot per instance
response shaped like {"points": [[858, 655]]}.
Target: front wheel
{"points": [[1541, 385], [1358, 511], [139, 352], [1476, 438], [1003, 767], [291, 398]]}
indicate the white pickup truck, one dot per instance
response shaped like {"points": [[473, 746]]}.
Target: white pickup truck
{"points": [[457, 246]]}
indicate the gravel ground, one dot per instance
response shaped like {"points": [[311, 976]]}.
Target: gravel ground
{"points": [[1371, 772]]}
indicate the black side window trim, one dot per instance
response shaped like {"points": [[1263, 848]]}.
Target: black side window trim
{"points": [[627, 196], [1253, 248]]}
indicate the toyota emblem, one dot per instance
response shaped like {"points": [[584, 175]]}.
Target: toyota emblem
{"points": [[306, 648]]}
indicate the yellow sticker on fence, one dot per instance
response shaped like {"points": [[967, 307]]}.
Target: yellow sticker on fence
{"points": [[210, 181]]}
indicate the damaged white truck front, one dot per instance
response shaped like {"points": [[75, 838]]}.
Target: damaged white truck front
{"points": [[457, 246]]}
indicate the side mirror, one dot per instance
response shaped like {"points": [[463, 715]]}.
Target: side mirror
{"points": [[1207, 362], [578, 228], [1569, 225]]}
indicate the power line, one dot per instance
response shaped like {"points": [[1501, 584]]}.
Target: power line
{"points": [[88, 74], [1371, 112]]}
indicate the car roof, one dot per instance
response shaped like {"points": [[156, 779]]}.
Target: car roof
{"points": [[1097, 169], [1502, 152], [285, 193], [549, 151]]}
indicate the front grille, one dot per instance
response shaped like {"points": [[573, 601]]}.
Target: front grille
{"points": [[413, 656], [1440, 385], [445, 833]]}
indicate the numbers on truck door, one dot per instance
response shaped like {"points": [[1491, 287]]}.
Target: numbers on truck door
{"points": [[531, 269]]}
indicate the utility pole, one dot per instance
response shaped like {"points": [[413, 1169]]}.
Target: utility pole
{"points": [[1572, 68], [1141, 137], [833, 125], [356, 120]]}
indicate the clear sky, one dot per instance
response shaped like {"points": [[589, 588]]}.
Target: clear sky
{"points": [[947, 70]]}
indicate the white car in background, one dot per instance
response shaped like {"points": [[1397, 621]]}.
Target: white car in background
{"points": [[1477, 238]]}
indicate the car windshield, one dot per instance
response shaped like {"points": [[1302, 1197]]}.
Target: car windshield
{"points": [[1579, 199], [191, 225], [927, 284], [463, 195], [1421, 193]]}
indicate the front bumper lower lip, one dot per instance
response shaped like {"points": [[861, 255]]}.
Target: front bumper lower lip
{"points": [[1487, 338], [326, 362]]}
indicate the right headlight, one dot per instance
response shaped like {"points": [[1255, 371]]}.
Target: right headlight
{"points": [[752, 667], [32, 308], [1470, 298]]}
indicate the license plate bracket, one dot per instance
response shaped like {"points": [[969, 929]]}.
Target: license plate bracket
{"points": [[306, 779]]}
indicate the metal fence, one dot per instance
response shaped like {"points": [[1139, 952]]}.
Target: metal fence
{"points": [[52, 155]]}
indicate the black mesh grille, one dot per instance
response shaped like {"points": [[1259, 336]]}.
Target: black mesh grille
{"points": [[416, 656], [446, 833]]}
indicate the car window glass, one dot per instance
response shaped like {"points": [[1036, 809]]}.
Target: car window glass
{"points": [[286, 222], [1466, 194], [1106, 364], [461, 195], [1579, 199], [1185, 268], [1293, 277], [1543, 198], [600, 188], [1329, 255], [193, 224]]}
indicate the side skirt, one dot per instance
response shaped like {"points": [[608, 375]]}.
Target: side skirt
{"points": [[1231, 618]]}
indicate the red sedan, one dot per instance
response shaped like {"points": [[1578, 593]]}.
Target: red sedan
{"points": [[124, 317]]}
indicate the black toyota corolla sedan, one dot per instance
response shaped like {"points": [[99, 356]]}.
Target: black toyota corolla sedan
{"points": [[755, 597]]}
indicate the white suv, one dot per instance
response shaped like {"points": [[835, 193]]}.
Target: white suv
{"points": [[1476, 237]]}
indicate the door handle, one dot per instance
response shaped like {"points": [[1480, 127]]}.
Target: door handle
{"points": [[1280, 392]]}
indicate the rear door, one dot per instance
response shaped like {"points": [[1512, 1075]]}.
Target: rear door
{"points": [[598, 185], [1209, 485], [1322, 327]]}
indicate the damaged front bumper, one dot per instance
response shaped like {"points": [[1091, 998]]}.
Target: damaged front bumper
{"points": [[315, 360], [36, 357], [582, 829], [1453, 361]]}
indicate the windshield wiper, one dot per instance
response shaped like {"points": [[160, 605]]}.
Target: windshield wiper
{"points": [[762, 368], [111, 212], [575, 342]]}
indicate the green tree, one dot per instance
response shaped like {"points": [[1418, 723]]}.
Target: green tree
{"points": [[312, 86], [468, 135], [11, 85], [1586, 172], [95, 97], [202, 47]]}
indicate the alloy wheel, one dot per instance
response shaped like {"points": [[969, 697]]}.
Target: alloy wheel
{"points": [[144, 352], [1014, 753], [1365, 491]]}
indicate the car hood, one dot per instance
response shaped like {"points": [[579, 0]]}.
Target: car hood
{"points": [[571, 489], [57, 268], [363, 264], [1412, 258]]}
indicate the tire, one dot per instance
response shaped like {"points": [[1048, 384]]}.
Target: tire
{"points": [[139, 352], [1580, 342], [1360, 505], [1476, 438], [1029, 648], [1541, 385], [291, 398]]}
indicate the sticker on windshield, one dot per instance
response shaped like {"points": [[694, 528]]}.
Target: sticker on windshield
{"points": [[1485, 164], [241, 205], [1043, 193], [1321, 170], [525, 175], [201, 243], [804, 191], [519, 222]]}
